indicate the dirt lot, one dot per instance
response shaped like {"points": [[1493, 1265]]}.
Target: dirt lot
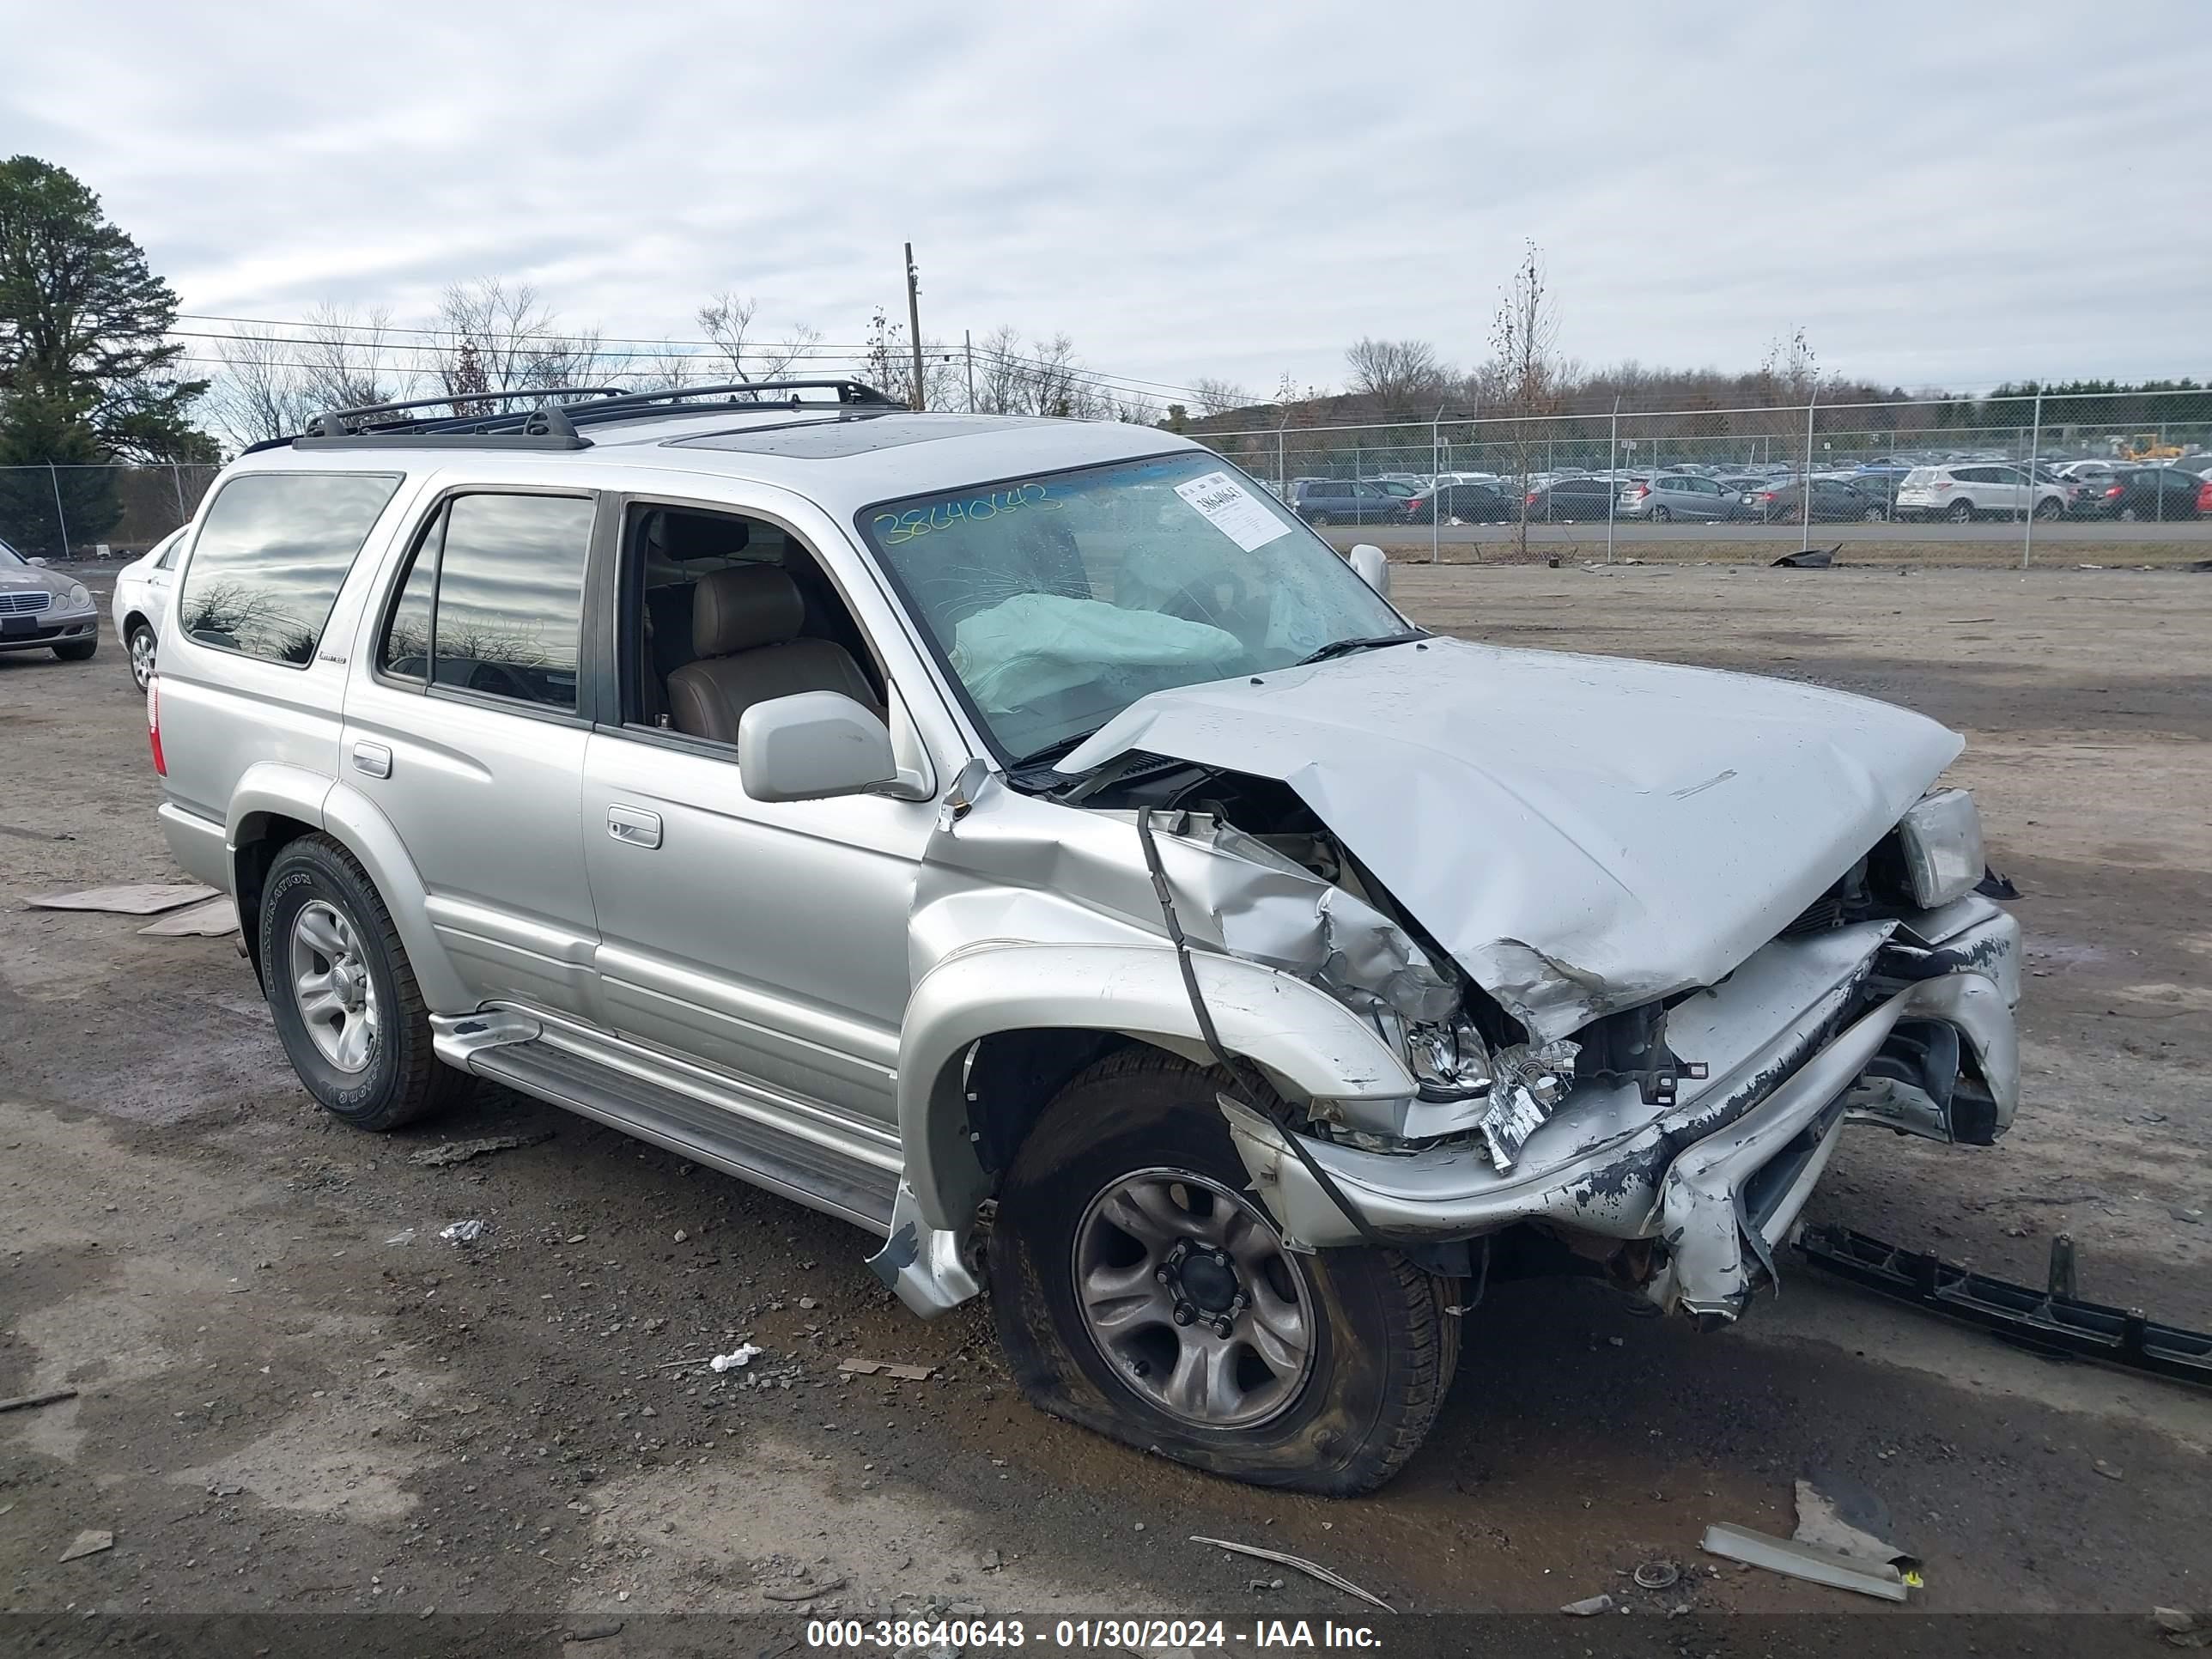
{"points": [[293, 1395]]}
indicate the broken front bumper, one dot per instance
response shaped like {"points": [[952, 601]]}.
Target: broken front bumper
{"points": [[1718, 1178]]}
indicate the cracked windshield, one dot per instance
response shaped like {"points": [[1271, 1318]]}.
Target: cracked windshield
{"points": [[1060, 600]]}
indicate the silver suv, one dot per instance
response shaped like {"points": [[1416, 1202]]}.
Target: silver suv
{"points": [[1027, 841]]}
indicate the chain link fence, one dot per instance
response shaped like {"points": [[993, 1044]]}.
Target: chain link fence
{"points": [[74, 511], [2083, 468]]}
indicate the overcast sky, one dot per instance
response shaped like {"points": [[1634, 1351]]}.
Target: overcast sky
{"points": [[1937, 194]]}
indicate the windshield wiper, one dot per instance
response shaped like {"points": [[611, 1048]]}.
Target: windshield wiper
{"points": [[1345, 648], [1052, 751]]}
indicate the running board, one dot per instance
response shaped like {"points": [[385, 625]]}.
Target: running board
{"points": [[723, 1139]]}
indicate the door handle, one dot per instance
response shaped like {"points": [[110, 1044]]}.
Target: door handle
{"points": [[373, 758], [633, 826]]}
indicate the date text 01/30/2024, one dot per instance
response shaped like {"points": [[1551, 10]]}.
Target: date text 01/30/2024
{"points": [[1139, 1635]]}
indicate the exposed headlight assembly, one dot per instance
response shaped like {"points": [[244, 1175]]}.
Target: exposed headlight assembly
{"points": [[1942, 839]]}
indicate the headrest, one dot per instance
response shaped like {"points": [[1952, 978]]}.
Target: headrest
{"points": [[686, 536], [741, 609]]}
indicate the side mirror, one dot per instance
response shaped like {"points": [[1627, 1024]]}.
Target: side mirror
{"points": [[35, 560], [812, 746], [1367, 559]]}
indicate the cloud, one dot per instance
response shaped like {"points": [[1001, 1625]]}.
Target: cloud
{"points": [[1937, 194]]}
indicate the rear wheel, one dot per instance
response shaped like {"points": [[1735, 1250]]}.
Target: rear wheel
{"points": [[1660, 515], [78, 650], [347, 1009], [2048, 508], [141, 644], [1960, 512], [2129, 515], [1873, 515], [1141, 1291], [1317, 519]]}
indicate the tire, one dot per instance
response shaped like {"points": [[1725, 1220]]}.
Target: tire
{"points": [[2128, 515], [1960, 513], [78, 650], [390, 1077], [1318, 520], [140, 644], [1338, 1416], [1660, 515], [1873, 515], [2046, 509]]}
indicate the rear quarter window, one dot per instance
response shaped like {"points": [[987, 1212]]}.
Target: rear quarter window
{"points": [[272, 552]]}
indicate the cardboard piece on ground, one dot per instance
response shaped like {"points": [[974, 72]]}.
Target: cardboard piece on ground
{"points": [[136, 899], [211, 919], [88, 1542]]}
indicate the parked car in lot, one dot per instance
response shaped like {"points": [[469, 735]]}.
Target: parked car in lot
{"points": [[42, 610], [917, 812], [2145, 494], [1346, 501], [1960, 493], [1469, 503], [1662, 496], [140, 588], [1571, 501], [1835, 502]]}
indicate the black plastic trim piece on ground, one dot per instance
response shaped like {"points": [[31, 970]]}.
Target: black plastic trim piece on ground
{"points": [[2051, 1321]]}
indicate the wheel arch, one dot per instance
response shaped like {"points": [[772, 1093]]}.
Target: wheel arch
{"points": [[992, 1033]]}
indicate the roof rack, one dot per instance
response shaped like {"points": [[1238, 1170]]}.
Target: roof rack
{"points": [[553, 423]]}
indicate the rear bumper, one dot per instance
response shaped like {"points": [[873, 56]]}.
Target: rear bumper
{"points": [[1715, 1182]]}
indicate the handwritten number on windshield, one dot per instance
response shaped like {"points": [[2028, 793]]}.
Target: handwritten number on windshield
{"points": [[892, 529]]}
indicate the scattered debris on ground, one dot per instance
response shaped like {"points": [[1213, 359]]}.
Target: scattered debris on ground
{"points": [[460, 1151], [89, 1543], [738, 1358], [801, 1592], [462, 1233], [25, 1402], [135, 899], [887, 1368], [1812, 558], [1310, 1569], [1657, 1575], [1589, 1607], [1810, 1562], [211, 919]]}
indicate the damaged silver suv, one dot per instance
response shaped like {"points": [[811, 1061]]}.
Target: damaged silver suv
{"points": [[1027, 841]]}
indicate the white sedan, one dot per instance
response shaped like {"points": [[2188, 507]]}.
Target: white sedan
{"points": [[142, 588]]}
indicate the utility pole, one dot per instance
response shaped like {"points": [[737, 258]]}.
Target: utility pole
{"points": [[914, 321], [968, 342]]}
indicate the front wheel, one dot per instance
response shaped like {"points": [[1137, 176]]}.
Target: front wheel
{"points": [[1141, 1291], [344, 1000], [1873, 515], [2129, 515], [2047, 508]]}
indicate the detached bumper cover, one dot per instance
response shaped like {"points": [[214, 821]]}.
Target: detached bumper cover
{"points": [[1719, 1179]]}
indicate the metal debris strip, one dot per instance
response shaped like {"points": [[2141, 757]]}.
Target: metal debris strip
{"points": [[25, 1402], [1810, 1562], [1310, 1569], [131, 899], [2051, 1320], [460, 1151]]}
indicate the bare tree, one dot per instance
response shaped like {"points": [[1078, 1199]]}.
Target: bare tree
{"points": [[1398, 374], [727, 321], [1524, 371], [272, 384], [493, 338], [258, 394], [1213, 397]]}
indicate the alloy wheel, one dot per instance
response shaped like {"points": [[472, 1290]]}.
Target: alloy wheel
{"points": [[332, 986], [1189, 1295]]}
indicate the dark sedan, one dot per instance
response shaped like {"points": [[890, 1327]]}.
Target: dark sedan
{"points": [[1571, 501], [1835, 502], [2147, 495], [1467, 503]]}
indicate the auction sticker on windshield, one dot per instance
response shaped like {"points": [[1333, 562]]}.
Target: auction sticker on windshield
{"points": [[1233, 510]]}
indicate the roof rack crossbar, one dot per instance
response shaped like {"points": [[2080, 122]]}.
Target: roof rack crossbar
{"points": [[738, 392], [333, 422]]}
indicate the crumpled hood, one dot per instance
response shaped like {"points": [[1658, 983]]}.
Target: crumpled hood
{"points": [[1581, 834]]}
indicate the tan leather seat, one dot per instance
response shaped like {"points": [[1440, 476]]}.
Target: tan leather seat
{"points": [[744, 631]]}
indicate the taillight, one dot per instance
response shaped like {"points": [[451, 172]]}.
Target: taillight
{"points": [[1766, 494], [1639, 490], [2116, 492], [1532, 497], [2205, 496], [153, 724]]}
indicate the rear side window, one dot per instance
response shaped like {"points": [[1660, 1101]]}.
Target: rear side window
{"points": [[272, 553], [494, 598]]}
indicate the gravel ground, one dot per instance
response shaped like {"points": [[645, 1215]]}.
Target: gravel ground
{"points": [[293, 1395]]}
